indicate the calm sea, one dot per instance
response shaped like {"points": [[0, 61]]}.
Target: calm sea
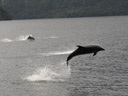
{"points": [[38, 68]]}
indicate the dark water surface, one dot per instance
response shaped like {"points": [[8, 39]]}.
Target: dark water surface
{"points": [[39, 69]]}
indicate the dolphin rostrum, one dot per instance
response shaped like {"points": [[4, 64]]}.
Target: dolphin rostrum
{"points": [[85, 50]]}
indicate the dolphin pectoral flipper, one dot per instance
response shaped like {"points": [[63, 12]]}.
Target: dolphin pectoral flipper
{"points": [[94, 53]]}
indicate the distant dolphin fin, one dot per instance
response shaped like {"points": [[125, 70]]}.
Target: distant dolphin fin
{"points": [[94, 53], [80, 46]]}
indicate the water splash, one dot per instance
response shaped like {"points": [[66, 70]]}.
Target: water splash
{"points": [[43, 74], [22, 37], [60, 73]]}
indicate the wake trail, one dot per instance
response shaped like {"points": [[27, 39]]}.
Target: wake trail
{"points": [[24, 38], [57, 53], [20, 38], [6, 40]]}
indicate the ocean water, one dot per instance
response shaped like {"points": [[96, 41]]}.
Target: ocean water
{"points": [[38, 68]]}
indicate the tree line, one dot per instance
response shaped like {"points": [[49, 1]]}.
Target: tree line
{"points": [[32, 9]]}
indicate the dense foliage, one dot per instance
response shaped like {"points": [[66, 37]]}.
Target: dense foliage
{"points": [[27, 9], [4, 15]]}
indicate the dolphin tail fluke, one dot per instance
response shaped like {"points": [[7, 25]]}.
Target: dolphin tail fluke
{"points": [[67, 63], [94, 53]]}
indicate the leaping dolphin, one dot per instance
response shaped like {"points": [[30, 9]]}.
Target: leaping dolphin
{"points": [[85, 50], [30, 38]]}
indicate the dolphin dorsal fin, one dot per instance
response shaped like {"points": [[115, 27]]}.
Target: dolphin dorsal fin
{"points": [[79, 46]]}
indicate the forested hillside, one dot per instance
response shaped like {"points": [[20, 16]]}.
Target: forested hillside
{"points": [[28, 9], [4, 15]]}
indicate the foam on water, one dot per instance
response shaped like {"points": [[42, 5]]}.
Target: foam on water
{"points": [[56, 53]]}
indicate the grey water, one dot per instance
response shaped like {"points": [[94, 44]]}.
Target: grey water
{"points": [[38, 68]]}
